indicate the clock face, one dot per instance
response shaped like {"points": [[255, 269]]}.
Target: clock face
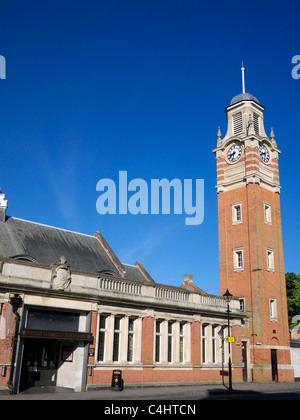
{"points": [[234, 153], [264, 154]]}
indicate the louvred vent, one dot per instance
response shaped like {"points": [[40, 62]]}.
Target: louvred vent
{"points": [[237, 123]]}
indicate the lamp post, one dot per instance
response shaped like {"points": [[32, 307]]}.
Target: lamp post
{"points": [[228, 297]]}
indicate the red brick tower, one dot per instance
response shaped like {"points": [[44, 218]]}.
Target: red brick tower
{"points": [[250, 237]]}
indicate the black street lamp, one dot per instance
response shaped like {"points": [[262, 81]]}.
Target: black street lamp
{"points": [[228, 297]]}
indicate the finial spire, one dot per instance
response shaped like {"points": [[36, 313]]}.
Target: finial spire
{"points": [[272, 135], [243, 77]]}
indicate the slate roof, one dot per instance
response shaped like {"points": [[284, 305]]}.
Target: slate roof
{"points": [[22, 239], [46, 244], [133, 272]]}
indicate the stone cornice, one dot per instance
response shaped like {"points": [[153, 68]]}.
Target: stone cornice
{"points": [[30, 278]]}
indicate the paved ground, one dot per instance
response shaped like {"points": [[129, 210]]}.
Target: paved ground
{"points": [[181, 394]]}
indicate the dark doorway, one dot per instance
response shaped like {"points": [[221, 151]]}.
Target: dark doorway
{"points": [[39, 363], [274, 365], [244, 361]]}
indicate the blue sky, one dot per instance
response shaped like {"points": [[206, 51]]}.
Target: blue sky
{"points": [[96, 87]]}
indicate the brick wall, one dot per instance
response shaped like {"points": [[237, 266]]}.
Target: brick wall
{"points": [[256, 283], [7, 323], [151, 373]]}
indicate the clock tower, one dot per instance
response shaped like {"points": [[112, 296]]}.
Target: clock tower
{"points": [[250, 237]]}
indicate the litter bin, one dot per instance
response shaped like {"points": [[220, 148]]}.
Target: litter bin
{"points": [[117, 381]]}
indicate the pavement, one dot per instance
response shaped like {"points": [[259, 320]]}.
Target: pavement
{"points": [[241, 391]]}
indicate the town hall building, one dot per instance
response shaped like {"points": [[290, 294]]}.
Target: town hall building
{"points": [[71, 312]]}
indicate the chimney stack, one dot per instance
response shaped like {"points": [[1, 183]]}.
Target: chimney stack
{"points": [[188, 279]]}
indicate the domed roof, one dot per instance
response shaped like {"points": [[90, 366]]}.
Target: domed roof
{"points": [[244, 97]]}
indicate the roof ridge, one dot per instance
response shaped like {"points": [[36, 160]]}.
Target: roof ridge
{"points": [[53, 227]]}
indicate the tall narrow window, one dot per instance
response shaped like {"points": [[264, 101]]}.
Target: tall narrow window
{"points": [[242, 304], [270, 259], [273, 309], [214, 343], [181, 342], [222, 348], [117, 334], [158, 340], [131, 325], [238, 259], [236, 213], [102, 337], [267, 213], [170, 341], [204, 329]]}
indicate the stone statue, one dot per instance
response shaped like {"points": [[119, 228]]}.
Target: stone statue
{"points": [[250, 125]]}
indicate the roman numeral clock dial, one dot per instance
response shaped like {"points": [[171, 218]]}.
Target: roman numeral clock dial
{"points": [[234, 153], [264, 154]]}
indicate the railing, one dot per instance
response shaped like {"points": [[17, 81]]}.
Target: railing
{"points": [[212, 300], [182, 295], [160, 292], [166, 293], [120, 286]]}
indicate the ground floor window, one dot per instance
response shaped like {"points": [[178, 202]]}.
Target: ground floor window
{"points": [[131, 331], [204, 343], [181, 341], [102, 337], [213, 344], [119, 338], [158, 331], [172, 342]]}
